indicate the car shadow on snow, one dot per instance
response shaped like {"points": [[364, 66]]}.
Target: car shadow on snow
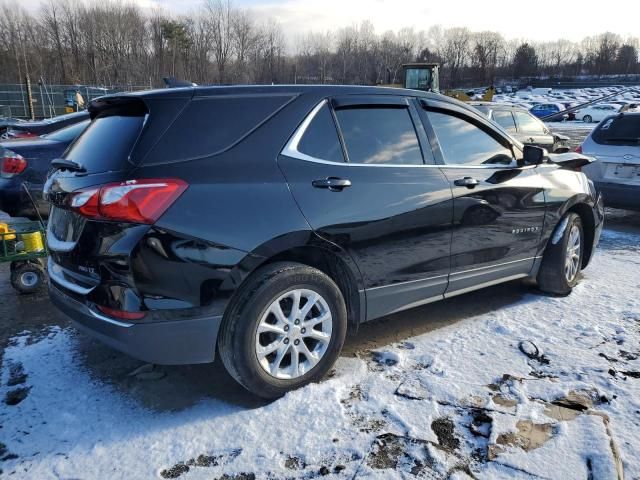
{"points": [[174, 388]]}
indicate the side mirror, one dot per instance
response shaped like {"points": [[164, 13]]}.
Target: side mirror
{"points": [[533, 155]]}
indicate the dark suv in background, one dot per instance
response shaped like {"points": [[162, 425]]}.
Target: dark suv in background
{"points": [[265, 221]]}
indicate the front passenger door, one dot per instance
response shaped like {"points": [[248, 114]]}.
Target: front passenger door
{"points": [[498, 207]]}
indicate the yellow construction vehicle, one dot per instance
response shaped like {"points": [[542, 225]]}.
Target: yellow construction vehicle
{"points": [[425, 76]]}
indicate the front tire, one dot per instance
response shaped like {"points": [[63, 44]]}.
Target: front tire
{"points": [[562, 260], [587, 119], [284, 329]]}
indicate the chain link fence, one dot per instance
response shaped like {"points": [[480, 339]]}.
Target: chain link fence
{"points": [[50, 100]]}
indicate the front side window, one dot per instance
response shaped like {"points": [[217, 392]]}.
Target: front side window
{"points": [[320, 139], [379, 136], [528, 123], [505, 120], [463, 143]]}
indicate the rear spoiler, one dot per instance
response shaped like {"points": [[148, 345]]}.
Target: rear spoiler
{"points": [[570, 160], [119, 104]]}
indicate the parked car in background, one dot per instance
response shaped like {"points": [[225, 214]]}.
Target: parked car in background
{"points": [[597, 113], [270, 219], [615, 143], [571, 115], [546, 109], [28, 161], [42, 127], [523, 126]]}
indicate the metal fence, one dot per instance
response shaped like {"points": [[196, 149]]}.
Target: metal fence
{"points": [[49, 100]]}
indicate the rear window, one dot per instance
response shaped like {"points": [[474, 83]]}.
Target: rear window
{"points": [[213, 124], [67, 134], [621, 130], [105, 146]]}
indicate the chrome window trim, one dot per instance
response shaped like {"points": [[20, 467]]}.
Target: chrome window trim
{"points": [[291, 150]]}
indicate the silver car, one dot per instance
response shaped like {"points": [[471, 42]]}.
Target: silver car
{"points": [[615, 143]]}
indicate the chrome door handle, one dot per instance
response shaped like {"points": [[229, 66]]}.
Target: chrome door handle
{"points": [[466, 182]]}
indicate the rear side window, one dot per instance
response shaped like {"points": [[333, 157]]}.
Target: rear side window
{"points": [[528, 123], [320, 139], [106, 144], [621, 130], [210, 125], [463, 143], [67, 134], [483, 108], [379, 136], [505, 120]]}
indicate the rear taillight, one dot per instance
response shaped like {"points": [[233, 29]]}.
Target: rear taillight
{"points": [[133, 201], [12, 164], [21, 134], [121, 314], [579, 149]]}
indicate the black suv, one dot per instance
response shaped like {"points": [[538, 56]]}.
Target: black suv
{"points": [[267, 221]]}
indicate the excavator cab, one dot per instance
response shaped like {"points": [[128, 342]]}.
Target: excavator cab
{"points": [[421, 76]]}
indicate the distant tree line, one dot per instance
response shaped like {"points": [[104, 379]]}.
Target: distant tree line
{"points": [[114, 43]]}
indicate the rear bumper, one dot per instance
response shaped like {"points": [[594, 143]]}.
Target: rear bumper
{"points": [[185, 341], [619, 196]]}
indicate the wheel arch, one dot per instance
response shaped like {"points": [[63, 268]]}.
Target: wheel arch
{"points": [[581, 206], [585, 212], [309, 249]]}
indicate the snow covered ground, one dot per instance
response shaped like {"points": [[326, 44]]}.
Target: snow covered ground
{"points": [[543, 387]]}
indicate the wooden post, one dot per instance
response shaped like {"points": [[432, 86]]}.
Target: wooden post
{"points": [[32, 113]]}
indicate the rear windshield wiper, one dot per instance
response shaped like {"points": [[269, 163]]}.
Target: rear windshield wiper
{"points": [[63, 164]]}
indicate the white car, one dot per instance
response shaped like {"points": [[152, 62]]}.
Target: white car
{"points": [[615, 144], [597, 113]]}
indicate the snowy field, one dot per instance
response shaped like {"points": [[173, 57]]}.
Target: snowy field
{"points": [[500, 383], [543, 387]]}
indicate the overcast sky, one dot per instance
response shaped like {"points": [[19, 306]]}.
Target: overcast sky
{"points": [[538, 20]]}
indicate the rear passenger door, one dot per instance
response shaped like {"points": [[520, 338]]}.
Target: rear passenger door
{"points": [[498, 206], [357, 170]]}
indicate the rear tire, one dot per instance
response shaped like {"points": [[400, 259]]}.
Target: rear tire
{"points": [[587, 119], [562, 260], [302, 345], [27, 277]]}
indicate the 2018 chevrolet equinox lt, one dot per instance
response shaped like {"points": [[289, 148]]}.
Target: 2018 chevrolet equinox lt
{"points": [[266, 221]]}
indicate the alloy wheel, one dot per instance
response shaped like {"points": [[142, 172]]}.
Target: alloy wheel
{"points": [[572, 257], [293, 334]]}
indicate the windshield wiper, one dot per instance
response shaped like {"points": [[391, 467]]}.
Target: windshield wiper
{"points": [[62, 164]]}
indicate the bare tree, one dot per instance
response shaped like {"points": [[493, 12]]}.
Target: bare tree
{"points": [[220, 13]]}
